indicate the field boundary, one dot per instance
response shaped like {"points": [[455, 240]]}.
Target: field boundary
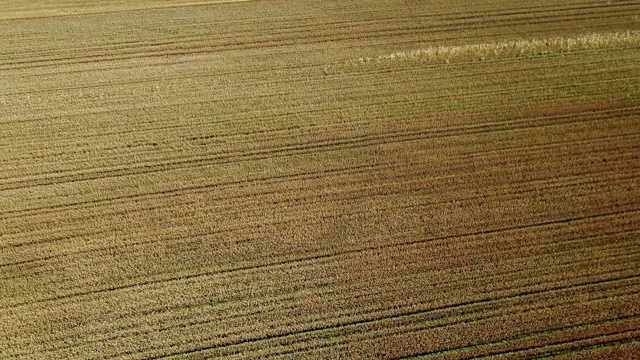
{"points": [[48, 11]]}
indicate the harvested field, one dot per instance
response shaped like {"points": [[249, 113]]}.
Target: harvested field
{"points": [[319, 179]]}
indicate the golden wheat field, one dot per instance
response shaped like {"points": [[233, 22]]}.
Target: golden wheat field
{"points": [[370, 179]]}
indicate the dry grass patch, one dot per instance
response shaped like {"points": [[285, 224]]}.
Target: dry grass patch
{"points": [[516, 48]]}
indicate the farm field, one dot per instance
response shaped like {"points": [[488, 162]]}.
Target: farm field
{"points": [[319, 179]]}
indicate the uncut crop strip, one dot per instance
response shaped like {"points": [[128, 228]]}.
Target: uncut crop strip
{"points": [[517, 48]]}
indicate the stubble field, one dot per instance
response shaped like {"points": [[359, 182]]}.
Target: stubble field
{"points": [[319, 179]]}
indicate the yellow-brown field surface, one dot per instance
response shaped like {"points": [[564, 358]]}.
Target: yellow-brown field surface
{"points": [[309, 179]]}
